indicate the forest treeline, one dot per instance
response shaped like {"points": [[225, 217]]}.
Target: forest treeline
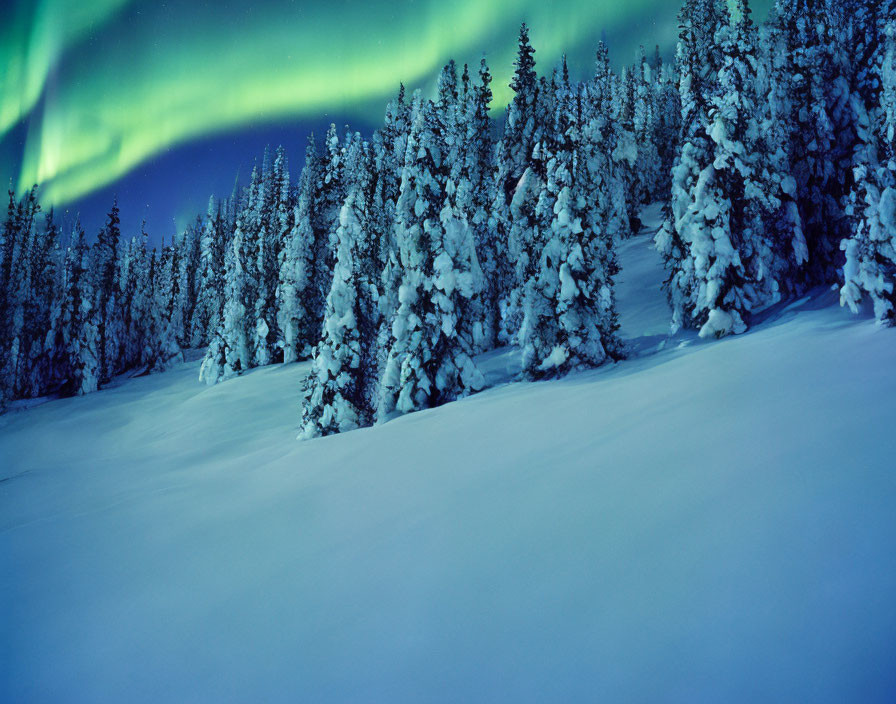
{"points": [[394, 260]]}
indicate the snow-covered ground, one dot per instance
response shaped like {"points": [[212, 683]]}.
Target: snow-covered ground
{"points": [[706, 522]]}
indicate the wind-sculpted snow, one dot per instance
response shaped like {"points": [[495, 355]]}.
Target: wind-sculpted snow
{"points": [[709, 521]]}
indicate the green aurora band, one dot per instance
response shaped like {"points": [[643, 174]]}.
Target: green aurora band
{"points": [[107, 84]]}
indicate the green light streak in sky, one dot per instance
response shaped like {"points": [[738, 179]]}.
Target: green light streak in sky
{"points": [[33, 36], [161, 74]]}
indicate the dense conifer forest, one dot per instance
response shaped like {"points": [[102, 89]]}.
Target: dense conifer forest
{"points": [[396, 258]]}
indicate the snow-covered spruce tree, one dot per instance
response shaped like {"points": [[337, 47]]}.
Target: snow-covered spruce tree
{"points": [[459, 237], [525, 237], [105, 272], [644, 117], [141, 302], [40, 311], [298, 318], [871, 251], [330, 197], [188, 273], [340, 390], [276, 224], [229, 353], [428, 362], [514, 155], [627, 148], [807, 92], [738, 255], [459, 242], [212, 245], [474, 182], [605, 163], [129, 271], [569, 306], [167, 303], [667, 125], [8, 237], [390, 146], [705, 272], [20, 296], [79, 325]]}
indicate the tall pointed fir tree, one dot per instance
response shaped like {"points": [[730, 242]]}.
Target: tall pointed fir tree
{"points": [[390, 146], [330, 197], [275, 225], [607, 164], [514, 157], [213, 242], [21, 233], [704, 267], [474, 183], [188, 273], [40, 310], [340, 390], [667, 124], [805, 87], [298, 317], [871, 250], [167, 302], [79, 323], [735, 262], [106, 289], [569, 304], [644, 116], [229, 353], [428, 362]]}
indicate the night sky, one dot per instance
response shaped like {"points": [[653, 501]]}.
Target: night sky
{"points": [[164, 103]]}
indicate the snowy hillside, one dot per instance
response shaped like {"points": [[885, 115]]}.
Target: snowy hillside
{"points": [[708, 521]]}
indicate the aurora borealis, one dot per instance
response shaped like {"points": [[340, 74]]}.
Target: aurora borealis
{"points": [[94, 88]]}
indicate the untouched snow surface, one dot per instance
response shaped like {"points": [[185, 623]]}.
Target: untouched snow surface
{"points": [[706, 522]]}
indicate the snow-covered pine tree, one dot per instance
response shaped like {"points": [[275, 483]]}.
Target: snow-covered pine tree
{"points": [[213, 242], [667, 124], [275, 225], [188, 273], [340, 390], [141, 301], [36, 372], [474, 182], [390, 146], [8, 238], [106, 277], [229, 353], [608, 162], [19, 300], [428, 362], [569, 305], [514, 157], [695, 241], [167, 302], [805, 87], [298, 318], [129, 272], [735, 260], [644, 118], [155, 324], [627, 146], [527, 228], [79, 324], [329, 200], [871, 251]]}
